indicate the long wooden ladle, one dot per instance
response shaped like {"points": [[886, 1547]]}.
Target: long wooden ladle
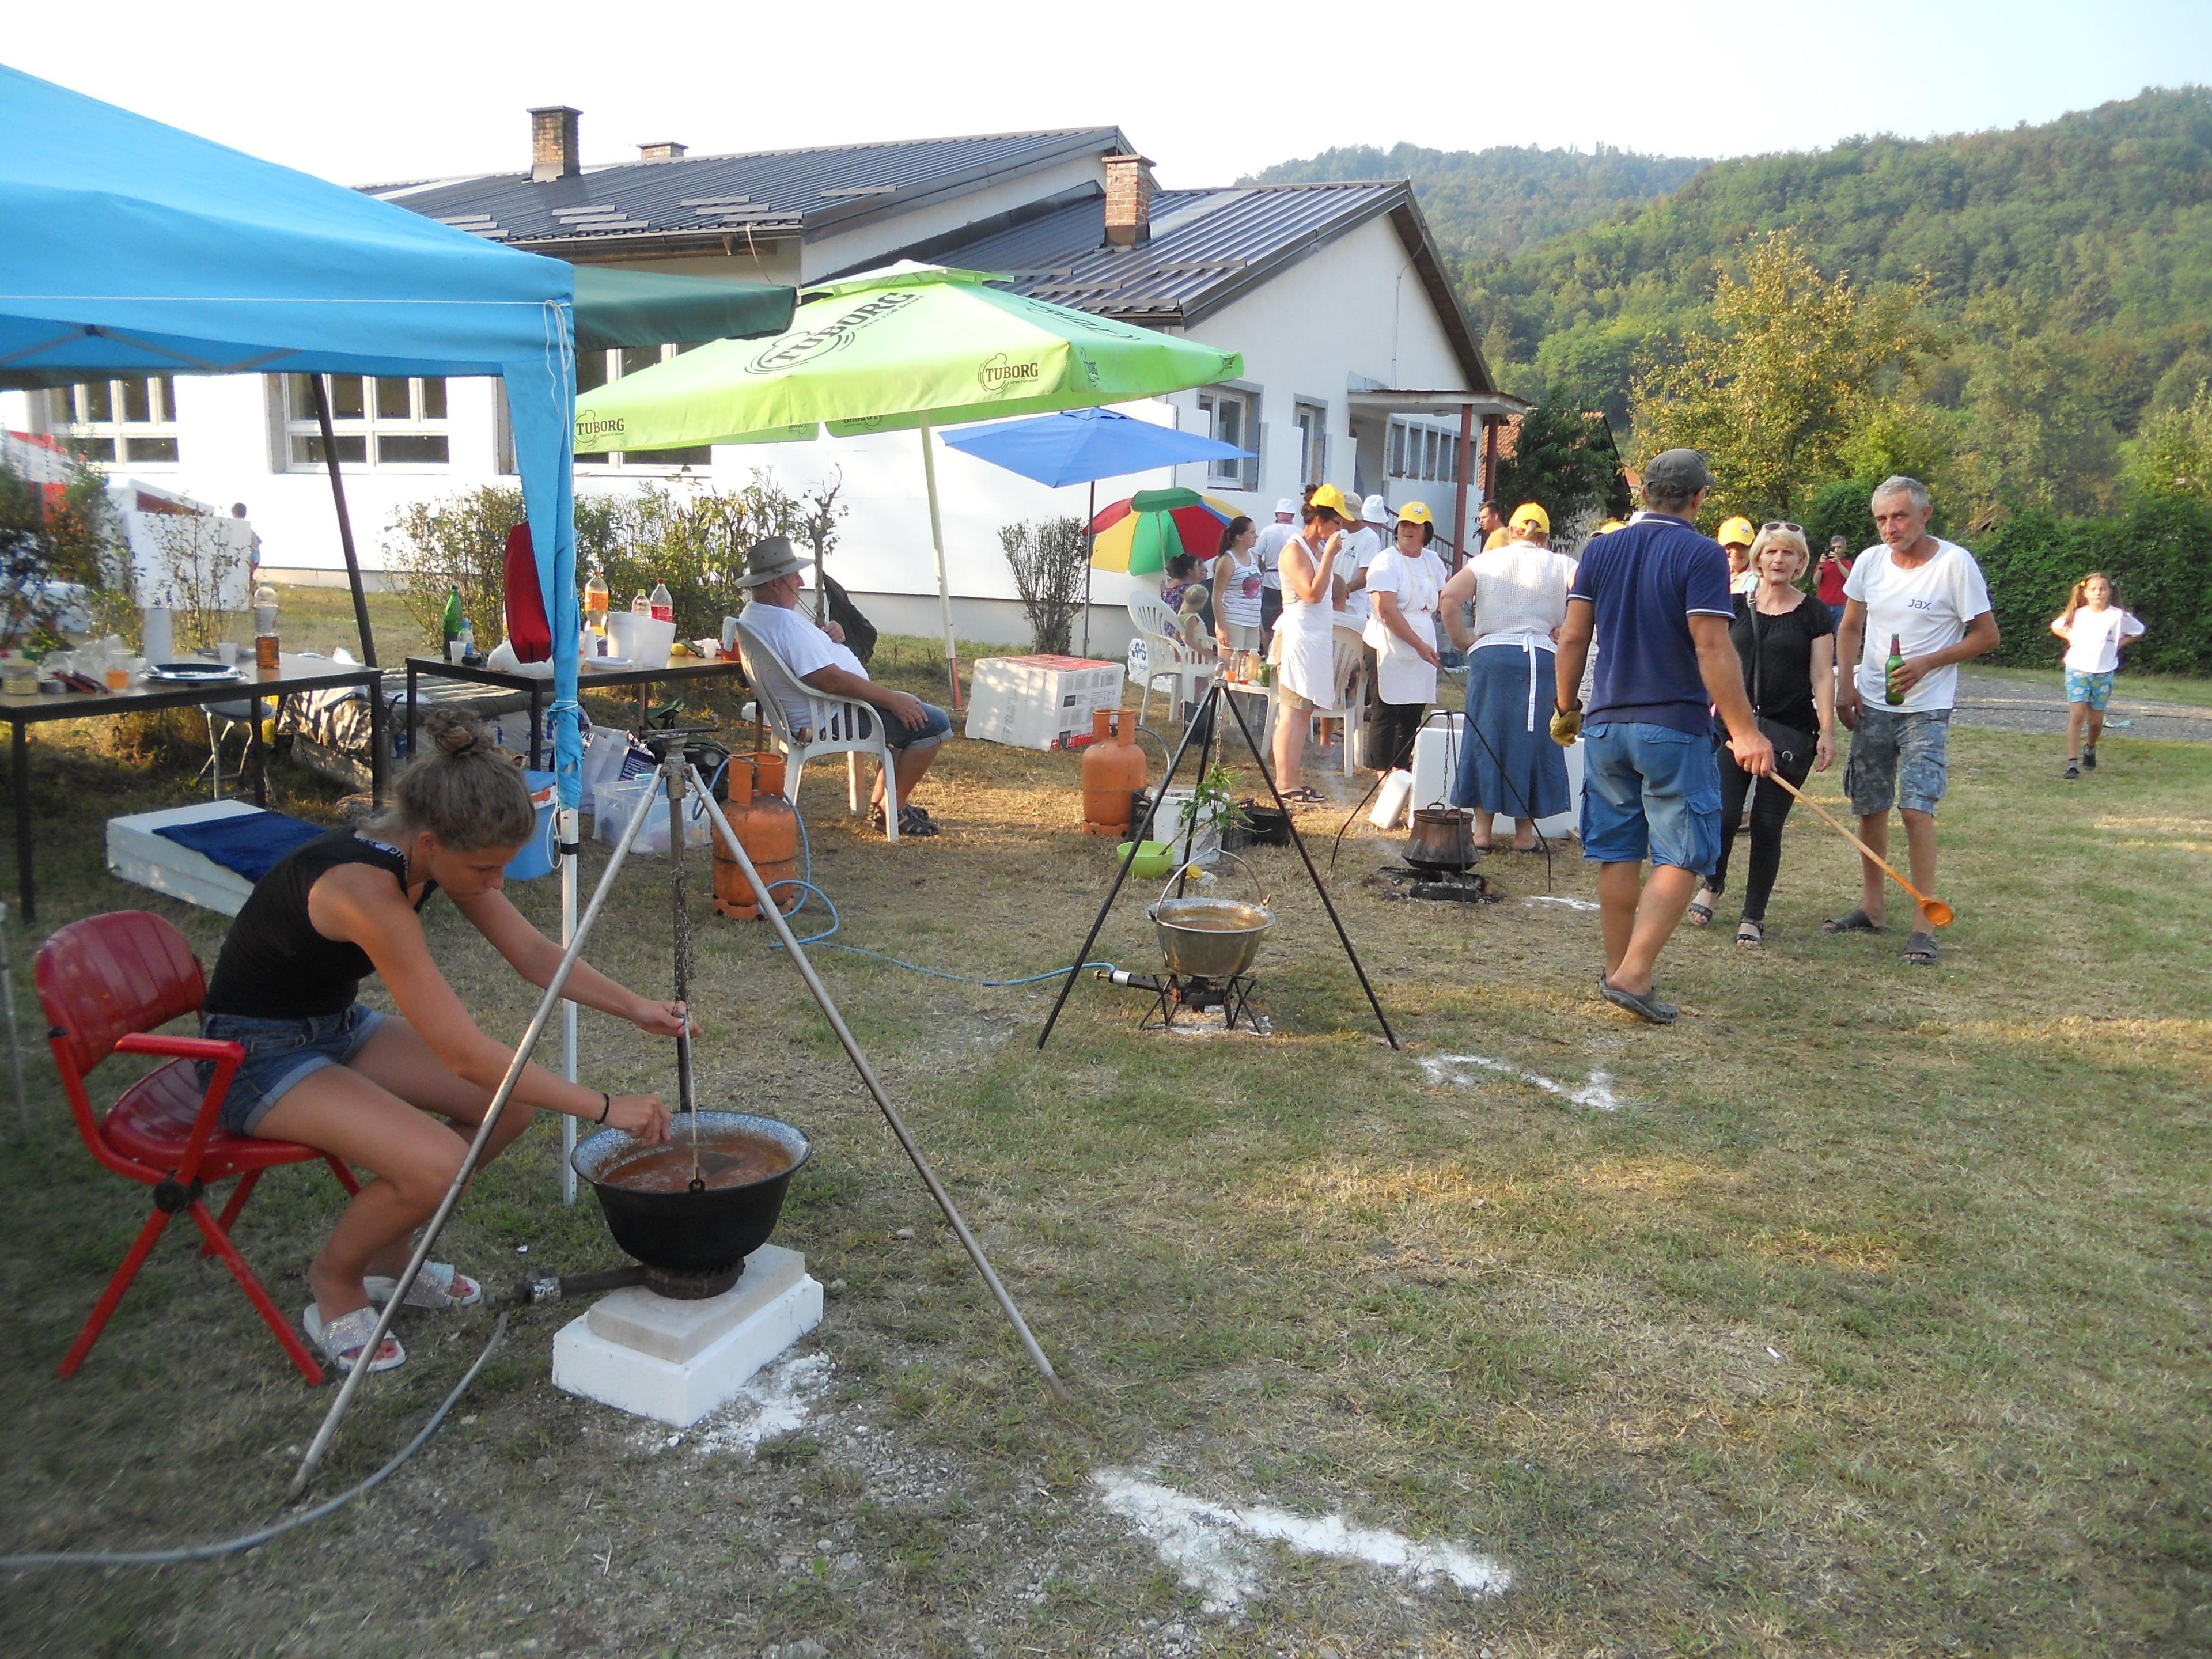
{"points": [[1937, 912]]}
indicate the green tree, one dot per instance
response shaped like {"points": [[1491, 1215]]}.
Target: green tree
{"points": [[1563, 459], [2172, 455], [1793, 367]]}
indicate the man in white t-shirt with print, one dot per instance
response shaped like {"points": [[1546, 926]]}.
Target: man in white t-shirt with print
{"points": [[1926, 595]]}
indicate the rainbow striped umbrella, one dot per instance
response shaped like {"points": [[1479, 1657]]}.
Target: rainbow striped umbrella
{"points": [[1143, 532]]}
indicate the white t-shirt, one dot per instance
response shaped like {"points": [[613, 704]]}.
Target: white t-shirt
{"points": [[1268, 550], [1520, 594], [2094, 638], [1924, 608], [1358, 552], [803, 646]]}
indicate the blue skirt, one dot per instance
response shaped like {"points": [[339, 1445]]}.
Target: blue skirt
{"points": [[1504, 766]]}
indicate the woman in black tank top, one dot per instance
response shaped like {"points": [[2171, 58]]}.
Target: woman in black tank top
{"points": [[322, 1069]]}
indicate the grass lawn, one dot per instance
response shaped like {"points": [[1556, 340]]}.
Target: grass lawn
{"points": [[1872, 1319]]}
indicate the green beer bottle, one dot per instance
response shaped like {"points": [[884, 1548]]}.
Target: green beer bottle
{"points": [[450, 626], [1892, 693]]}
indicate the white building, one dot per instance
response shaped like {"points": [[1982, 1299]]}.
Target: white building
{"points": [[1360, 368]]}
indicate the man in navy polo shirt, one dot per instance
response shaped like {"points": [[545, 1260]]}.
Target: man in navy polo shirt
{"points": [[1656, 596]]}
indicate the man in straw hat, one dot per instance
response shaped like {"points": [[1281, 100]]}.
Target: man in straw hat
{"points": [[774, 580], [1657, 593]]}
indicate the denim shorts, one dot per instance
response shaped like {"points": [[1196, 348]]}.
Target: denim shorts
{"points": [[1898, 758], [931, 732], [278, 1053], [1650, 790], [2095, 689]]}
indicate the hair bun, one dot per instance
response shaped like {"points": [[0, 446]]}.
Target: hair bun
{"points": [[456, 732]]}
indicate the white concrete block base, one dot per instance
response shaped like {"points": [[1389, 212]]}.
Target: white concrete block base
{"points": [[676, 1361]]}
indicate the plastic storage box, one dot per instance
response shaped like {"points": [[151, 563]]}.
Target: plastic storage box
{"points": [[1040, 702]]}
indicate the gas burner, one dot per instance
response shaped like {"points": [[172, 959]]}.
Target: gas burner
{"points": [[679, 1287], [1439, 884], [1178, 996]]}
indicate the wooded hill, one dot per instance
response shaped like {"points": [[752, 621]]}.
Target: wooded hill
{"points": [[2069, 268]]}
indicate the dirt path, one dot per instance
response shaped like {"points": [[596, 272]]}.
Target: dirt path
{"points": [[2003, 703]]}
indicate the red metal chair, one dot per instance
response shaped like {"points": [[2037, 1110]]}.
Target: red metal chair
{"points": [[107, 982]]}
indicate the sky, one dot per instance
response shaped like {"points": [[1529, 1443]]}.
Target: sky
{"points": [[404, 90]]}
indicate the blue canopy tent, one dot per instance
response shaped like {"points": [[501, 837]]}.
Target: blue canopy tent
{"points": [[135, 248], [1082, 445]]}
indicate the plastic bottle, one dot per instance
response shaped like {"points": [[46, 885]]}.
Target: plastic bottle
{"points": [[641, 606], [1892, 693], [450, 624], [595, 604], [467, 638], [664, 602], [265, 628]]}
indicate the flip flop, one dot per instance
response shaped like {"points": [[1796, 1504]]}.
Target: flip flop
{"points": [[1920, 948], [344, 1337], [437, 1287], [1855, 921], [1646, 1007]]}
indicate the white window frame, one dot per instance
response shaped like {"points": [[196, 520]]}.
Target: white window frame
{"points": [[75, 419], [1230, 474], [1312, 419], [696, 458], [1423, 451], [376, 422]]}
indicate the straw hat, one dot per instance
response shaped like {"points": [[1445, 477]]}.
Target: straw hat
{"points": [[768, 559]]}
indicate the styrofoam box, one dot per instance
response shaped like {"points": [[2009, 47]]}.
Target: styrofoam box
{"points": [[1436, 770], [1039, 701]]}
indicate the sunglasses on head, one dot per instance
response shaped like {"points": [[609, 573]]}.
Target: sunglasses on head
{"points": [[1783, 524]]}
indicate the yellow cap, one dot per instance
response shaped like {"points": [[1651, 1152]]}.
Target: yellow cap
{"points": [[1529, 512], [1415, 513], [1610, 524], [1736, 532], [1329, 496]]}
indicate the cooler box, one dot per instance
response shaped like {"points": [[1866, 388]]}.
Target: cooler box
{"points": [[1436, 768], [1039, 702], [540, 854]]}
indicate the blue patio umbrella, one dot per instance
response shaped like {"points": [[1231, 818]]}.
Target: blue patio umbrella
{"points": [[1082, 445]]}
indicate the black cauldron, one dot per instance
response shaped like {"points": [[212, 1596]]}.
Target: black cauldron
{"points": [[693, 1244]]}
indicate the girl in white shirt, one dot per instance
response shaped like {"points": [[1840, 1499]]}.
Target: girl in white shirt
{"points": [[2095, 627]]}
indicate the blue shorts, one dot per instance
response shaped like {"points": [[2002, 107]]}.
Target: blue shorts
{"points": [[2095, 689], [1897, 757], [1650, 790], [279, 1053], [897, 733]]}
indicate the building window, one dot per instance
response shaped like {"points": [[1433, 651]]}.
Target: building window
{"points": [[1229, 421], [375, 421], [1424, 453], [1313, 444], [597, 368], [122, 423]]}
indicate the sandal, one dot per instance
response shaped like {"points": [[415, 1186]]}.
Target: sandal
{"points": [[1304, 796], [1920, 948], [913, 821], [438, 1287], [344, 1337], [1748, 932], [1699, 913], [1644, 1006], [1857, 921]]}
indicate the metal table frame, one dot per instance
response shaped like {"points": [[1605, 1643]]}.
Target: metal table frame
{"points": [[540, 687], [297, 674]]}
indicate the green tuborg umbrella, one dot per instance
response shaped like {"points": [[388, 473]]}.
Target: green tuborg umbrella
{"points": [[911, 347]]}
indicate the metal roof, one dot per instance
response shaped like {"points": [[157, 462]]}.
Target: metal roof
{"points": [[701, 197], [1207, 248]]}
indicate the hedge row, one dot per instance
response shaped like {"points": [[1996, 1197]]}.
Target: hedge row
{"points": [[2159, 553]]}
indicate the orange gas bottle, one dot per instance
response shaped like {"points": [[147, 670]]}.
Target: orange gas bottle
{"points": [[768, 829], [1112, 769]]}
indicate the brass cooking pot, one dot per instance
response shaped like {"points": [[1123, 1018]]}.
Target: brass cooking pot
{"points": [[1443, 839], [1210, 937]]}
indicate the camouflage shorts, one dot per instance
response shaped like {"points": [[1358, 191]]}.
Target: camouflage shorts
{"points": [[1899, 760]]}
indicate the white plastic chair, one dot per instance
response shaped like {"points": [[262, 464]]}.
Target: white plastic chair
{"points": [[1187, 669], [831, 722], [1347, 688]]}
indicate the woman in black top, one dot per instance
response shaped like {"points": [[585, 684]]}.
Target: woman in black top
{"points": [[323, 1070], [1786, 645]]}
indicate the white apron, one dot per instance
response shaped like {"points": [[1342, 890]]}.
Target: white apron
{"points": [[1305, 635], [1401, 675]]}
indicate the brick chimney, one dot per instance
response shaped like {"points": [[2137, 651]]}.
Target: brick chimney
{"points": [[553, 144], [663, 151], [1128, 201]]}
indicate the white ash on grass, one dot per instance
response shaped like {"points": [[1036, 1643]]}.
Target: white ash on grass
{"points": [[1596, 1094]]}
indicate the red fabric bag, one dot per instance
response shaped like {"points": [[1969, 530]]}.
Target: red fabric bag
{"points": [[527, 630]]}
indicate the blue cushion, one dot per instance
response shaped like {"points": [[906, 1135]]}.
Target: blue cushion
{"points": [[247, 842]]}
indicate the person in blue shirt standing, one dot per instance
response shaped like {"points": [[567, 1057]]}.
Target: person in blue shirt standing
{"points": [[1656, 596]]}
